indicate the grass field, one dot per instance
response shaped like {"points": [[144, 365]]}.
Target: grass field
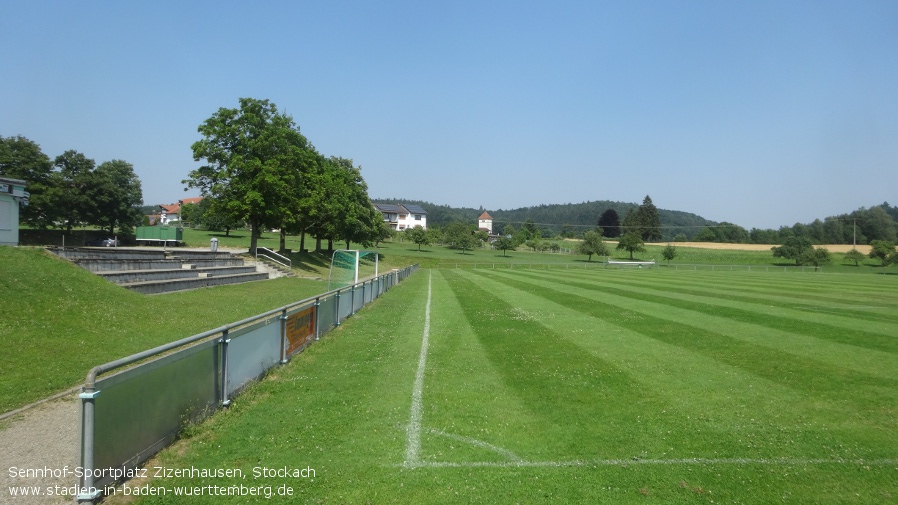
{"points": [[57, 321], [577, 386]]}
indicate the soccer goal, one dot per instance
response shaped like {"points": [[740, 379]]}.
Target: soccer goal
{"points": [[346, 264]]}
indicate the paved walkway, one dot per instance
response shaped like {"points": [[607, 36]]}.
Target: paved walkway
{"points": [[39, 443]]}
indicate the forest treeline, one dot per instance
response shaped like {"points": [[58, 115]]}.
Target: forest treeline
{"points": [[571, 220], [560, 220]]}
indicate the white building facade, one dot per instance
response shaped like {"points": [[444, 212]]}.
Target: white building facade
{"points": [[402, 216]]}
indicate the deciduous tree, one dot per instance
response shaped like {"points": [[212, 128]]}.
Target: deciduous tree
{"points": [[793, 248], [252, 156], [592, 244], [116, 196], [855, 256], [459, 235], [631, 242], [669, 253], [69, 189], [882, 250], [418, 235], [23, 159]]}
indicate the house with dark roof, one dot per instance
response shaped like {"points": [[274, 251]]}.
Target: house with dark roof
{"points": [[402, 216]]}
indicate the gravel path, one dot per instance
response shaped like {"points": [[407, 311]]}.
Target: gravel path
{"points": [[40, 441]]}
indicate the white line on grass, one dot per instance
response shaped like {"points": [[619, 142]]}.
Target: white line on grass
{"points": [[684, 461], [413, 446], [479, 443]]}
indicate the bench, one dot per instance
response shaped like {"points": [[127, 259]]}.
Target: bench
{"points": [[634, 264]]}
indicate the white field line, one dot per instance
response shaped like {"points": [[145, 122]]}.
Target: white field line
{"points": [[683, 461], [413, 444], [479, 443]]}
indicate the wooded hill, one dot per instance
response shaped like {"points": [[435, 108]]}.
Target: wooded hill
{"points": [[570, 219]]}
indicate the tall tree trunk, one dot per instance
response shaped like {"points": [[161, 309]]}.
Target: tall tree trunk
{"points": [[283, 239], [302, 241], [254, 238]]}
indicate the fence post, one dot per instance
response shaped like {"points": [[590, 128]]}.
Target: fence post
{"points": [[317, 318], [283, 319], [87, 491], [337, 308], [224, 368]]}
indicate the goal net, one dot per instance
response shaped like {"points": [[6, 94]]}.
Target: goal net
{"points": [[350, 265]]}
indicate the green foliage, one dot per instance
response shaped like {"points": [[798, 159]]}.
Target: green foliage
{"points": [[592, 244], [855, 256], [644, 221], [794, 248], [725, 233], [815, 257], [882, 250], [669, 252], [610, 223], [255, 157], [551, 219], [459, 235], [504, 244], [418, 235], [23, 159], [116, 196], [631, 242]]}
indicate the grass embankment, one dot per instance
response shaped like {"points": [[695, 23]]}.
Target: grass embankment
{"points": [[57, 321], [605, 386]]}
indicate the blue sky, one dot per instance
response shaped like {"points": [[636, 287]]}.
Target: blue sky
{"points": [[760, 113]]}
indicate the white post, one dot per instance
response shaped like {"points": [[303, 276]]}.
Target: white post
{"points": [[356, 268], [376, 259]]}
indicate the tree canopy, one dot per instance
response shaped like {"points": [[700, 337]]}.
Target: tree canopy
{"points": [[631, 242], [592, 244], [254, 157], [795, 248], [72, 190], [609, 222], [645, 221]]}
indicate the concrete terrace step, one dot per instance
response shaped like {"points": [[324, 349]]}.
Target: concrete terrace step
{"points": [[154, 271], [132, 276], [166, 286], [107, 253], [116, 265]]}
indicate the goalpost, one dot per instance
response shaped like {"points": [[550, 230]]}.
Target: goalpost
{"points": [[345, 266]]}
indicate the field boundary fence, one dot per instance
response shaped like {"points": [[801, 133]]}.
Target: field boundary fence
{"points": [[133, 407]]}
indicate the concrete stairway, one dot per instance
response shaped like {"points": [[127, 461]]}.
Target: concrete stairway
{"points": [[153, 271]]}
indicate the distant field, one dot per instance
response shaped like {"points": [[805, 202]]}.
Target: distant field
{"points": [[580, 386], [833, 248]]}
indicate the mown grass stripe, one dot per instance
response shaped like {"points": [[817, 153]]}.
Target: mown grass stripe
{"points": [[711, 408], [834, 328], [872, 307], [579, 401], [852, 389]]}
